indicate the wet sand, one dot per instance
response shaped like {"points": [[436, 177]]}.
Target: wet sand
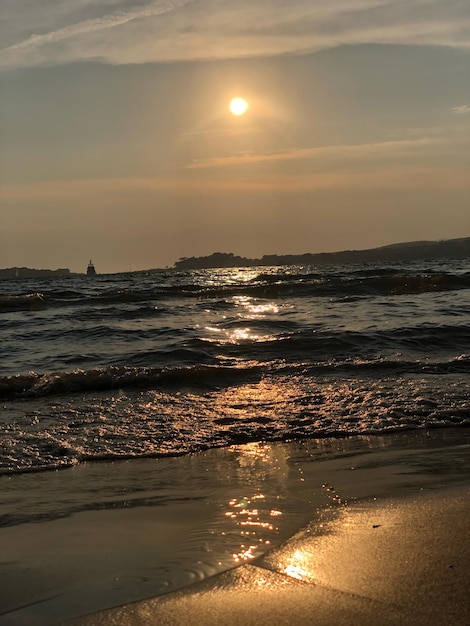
{"points": [[400, 562], [364, 530]]}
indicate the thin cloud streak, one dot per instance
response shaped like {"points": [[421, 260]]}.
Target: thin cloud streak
{"points": [[217, 29], [92, 25], [117, 191], [97, 24], [359, 152]]}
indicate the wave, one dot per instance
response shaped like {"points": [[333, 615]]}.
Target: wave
{"points": [[313, 285], [208, 376], [272, 286], [22, 302], [218, 407], [324, 345], [33, 384], [148, 365]]}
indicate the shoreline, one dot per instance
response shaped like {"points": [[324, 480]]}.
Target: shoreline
{"points": [[392, 563], [175, 530]]}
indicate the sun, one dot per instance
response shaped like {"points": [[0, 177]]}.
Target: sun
{"points": [[238, 106]]}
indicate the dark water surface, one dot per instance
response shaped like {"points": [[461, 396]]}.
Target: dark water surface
{"points": [[170, 362]]}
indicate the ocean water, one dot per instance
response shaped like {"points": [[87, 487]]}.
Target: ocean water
{"points": [[169, 362]]}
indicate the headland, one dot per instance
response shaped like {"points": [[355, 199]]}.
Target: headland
{"points": [[394, 253], [399, 252]]}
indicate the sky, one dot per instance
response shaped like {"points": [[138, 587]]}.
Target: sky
{"points": [[117, 143]]}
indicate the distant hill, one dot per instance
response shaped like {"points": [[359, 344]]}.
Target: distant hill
{"points": [[26, 272], [410, 251]]}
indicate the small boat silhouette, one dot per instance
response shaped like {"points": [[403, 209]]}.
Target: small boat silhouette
{"points": [[90, 271]]}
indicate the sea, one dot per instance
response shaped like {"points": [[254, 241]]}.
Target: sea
{"points": [[167, 363], [159, 428]]}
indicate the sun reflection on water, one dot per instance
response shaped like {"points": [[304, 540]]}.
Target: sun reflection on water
{"points": [[248, 308], [255, 309], [245, 554], [256, 515], [236, 335], [250, 520]]}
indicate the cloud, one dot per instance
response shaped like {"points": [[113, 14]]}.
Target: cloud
{"points": [[419, 165], [462, 109], [88, 193], [332, 155], [139, 31], [76, 30]]}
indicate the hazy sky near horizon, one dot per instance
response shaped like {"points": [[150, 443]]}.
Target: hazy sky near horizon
{"points": [[117, 142]]}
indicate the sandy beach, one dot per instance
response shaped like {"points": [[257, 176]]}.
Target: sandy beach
{"points": [[361, 530], [394, 563]]}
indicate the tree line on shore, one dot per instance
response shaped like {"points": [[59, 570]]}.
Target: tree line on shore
{"points": [[27, 272], [412, 251]]}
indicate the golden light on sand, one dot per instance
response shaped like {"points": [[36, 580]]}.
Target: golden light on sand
{"points": [[238, 106], [295, 566]]}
